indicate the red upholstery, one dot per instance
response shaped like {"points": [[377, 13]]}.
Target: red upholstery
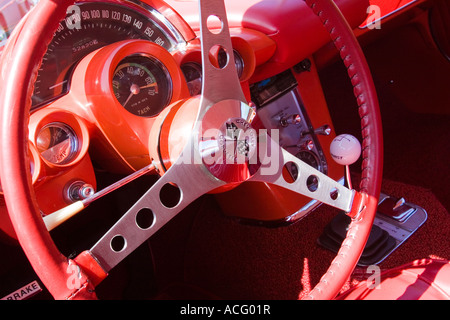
{"points": [[420, 280]]}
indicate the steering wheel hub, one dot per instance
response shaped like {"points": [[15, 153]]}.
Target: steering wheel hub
{"points": [[229, 148]]}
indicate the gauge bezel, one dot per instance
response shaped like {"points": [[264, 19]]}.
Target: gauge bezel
{"points": [[63, 119], [111, 126], [72, 137]]}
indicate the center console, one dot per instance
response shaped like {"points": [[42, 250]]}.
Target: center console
{"points": [[280, 107]]}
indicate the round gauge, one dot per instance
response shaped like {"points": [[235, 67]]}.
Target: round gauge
{"points": [[309, 158], [142, 85], [57, 143], [193, 73], [238, 61]]}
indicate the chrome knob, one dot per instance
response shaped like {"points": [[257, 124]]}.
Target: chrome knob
{"points": [[79, 190], [291, 119], [307, 145], [324, 130]]}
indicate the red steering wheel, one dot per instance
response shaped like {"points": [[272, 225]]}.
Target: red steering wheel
{"points": [[76, 279]]}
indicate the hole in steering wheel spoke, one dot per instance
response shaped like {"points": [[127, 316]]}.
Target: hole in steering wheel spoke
{"points": [[170, 195], [214, 24], [290, 172], [118, 243], [145, 218], [218, 56], [334, 194], [312, 183]]}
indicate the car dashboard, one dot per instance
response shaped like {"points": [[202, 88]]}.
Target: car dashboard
{"points": [[106, 100]]}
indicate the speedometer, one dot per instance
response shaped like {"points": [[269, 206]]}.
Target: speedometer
{"points": [[90, 26]]}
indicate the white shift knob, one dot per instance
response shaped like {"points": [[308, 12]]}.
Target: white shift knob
{"points": [[345, 149]]}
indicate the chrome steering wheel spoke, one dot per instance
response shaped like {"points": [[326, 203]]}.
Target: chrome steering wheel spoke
{"points": [[279, 167], [220, 82], [152, 212], [221, 88]]}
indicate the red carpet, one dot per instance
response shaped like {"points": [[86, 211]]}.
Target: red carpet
{"points": [[234, 261]]}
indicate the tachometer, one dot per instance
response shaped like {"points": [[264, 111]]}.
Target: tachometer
{"points": [[90, 26], [142, 85]]}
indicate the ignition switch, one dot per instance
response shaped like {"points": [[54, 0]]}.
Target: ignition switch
{"points": [[79, 190]]}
